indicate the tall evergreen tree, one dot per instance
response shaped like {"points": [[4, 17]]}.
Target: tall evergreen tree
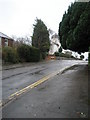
{"points": [[74, 28], [40, 38]]}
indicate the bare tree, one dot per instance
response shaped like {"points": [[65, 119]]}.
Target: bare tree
{"points": [[21, 40]]}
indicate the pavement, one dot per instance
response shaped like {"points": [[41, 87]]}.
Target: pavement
{"points": [[19, 65], [25, 64], [62, 96]]}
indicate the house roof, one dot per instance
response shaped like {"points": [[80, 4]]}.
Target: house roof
{"points": [[4, 36], [55, 36]]}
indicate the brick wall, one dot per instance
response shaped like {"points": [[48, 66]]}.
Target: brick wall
{"points": [[49, 57], [10, 42]]}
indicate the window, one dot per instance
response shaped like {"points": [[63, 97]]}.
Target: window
{"points": [[6, 42]]}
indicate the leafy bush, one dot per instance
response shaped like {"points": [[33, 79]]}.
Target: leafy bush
{"points": [[65, 55], [24, 53], [43, 55], [34, 54], [9, 54], [27, 53], [57, 53]]}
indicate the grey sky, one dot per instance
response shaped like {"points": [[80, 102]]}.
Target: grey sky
{"points": [[18, 16]]}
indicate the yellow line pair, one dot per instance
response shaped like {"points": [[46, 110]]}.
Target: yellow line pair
{"points": [[32, 85]]}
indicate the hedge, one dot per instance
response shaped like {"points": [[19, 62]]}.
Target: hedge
{"points": [[9, 54], [57, 54], [34, 54], [23, 53], [27, 53]]}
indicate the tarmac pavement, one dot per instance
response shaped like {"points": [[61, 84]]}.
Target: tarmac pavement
{"points": [[62, 96]]}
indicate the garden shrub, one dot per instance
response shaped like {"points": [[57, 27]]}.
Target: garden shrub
{"points": [[34, 54], [43, 55], [27, 53], [24, 53], [65, 55], [9, 54], [57, 54]]}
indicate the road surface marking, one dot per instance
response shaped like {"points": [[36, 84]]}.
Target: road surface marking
{"points": [[35, 84], [14, 95]]}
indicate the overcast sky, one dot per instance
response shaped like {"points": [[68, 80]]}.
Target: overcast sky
{"points": [[18, 16]]}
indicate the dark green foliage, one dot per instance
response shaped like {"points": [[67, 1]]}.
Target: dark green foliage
{"points": [[60, 49], [56, 54], [82, 57], [40, 38], [74, 30], [9, 55], [65, 55], [34, 54], [28, 54], [24, 53]]}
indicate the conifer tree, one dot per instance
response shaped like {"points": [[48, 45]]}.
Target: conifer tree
{"points": [[40, 38]]}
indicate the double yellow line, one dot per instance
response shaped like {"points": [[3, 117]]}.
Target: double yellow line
{"points": [[31, 85], [14, 95]]}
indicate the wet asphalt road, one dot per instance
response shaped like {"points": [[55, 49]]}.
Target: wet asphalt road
{"points": [[63, 96], [16, 79]]}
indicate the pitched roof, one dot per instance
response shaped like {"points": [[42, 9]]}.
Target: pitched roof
{"points": [[4, 36], [55, 36]]}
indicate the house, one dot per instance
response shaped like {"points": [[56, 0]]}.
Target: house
{"points": [[5, 40]]}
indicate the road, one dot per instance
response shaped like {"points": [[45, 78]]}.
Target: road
{"points": [[16, 79], [45, 99]]}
